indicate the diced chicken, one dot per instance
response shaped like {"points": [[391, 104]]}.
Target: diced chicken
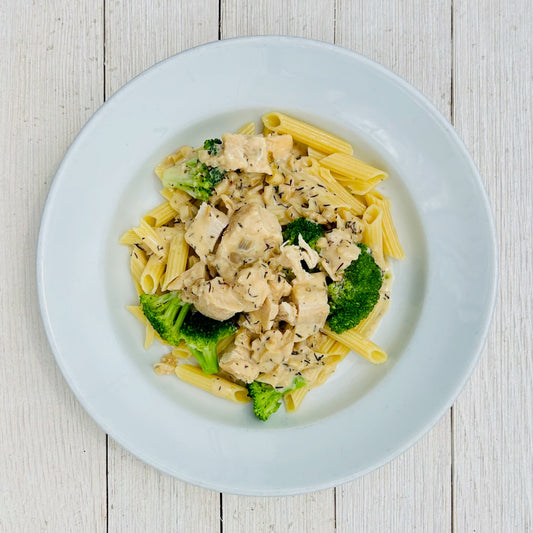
{"points": [[188, 278], [265, 316], [251, 233], [279, 146], [309, 255], [214, 298], [252, 287], [236, 359], [244, 152], [311, 298], [337, 250], [205, 230], [279, 287], [291, 257], [287, 313], [271, 348]]}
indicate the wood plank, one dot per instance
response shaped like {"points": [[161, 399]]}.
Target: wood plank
{"points": [[52, 456], [312, 512], [493, 437], [312, 19], [138, 34], [412, 493]]}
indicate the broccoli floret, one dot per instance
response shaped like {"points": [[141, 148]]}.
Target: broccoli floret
{"points": [[201, 335], [267, 399], [352, 298], [166, 313], [309, 230], [194, 177], [213, 146]]}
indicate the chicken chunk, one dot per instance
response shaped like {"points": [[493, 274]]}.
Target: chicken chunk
{"points": [[251, 233], [279, 146], [188, 278], [264, 317], [311, 298], [214, 298], [337, 250], [287, 313], [251, 286], [236, 359], [205, 230]]}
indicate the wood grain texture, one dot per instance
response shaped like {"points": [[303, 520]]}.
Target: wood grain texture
{"points": [[52, 456], [312, 512], [313, 19], [493, 437], [413, 492], [138, 34]]}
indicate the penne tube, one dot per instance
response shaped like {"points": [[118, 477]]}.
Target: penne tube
{"points": [[137, 312], [169, 161], [305, 133], [138, 262], [247, 129], [160, 215], [341, 192], [363, 346], [373, 232], [130, 237], [391, 242], [178, 254], [315, 154], [368, 325], [350, 167], [152, 273], [150, 238], [212, 383], [294, 399]]}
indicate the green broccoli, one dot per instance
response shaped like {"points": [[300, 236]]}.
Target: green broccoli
{"points": [[213, 146], [267, 399], [166, 313], [193, 177], [309, 230], [201, 335], [353, 298]]}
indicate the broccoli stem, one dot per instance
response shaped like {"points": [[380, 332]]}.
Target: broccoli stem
{"points": [[207, 358]]}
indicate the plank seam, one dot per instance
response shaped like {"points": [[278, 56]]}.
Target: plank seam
{"points": [[452, 119]]}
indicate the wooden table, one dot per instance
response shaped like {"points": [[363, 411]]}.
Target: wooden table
{"points": [[60, 60]]}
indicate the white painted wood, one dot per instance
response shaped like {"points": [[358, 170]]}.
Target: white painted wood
{"points": [[309, 513], [138, 34], [52, 456], [493, 437], [413, 492], [312, 19], [313, 512]]}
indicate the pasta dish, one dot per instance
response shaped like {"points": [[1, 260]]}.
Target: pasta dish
{"points": [[266, 264]]}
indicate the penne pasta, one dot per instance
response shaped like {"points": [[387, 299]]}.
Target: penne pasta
{"points": [[150, 238], [368, 325], [350, 167], [150, 334], [294, 399], [247, 129], [359, 344], [305, 133], [160, 215], [138, 262], [130, 237], [152, 273], [212, 383], [391, 243], [373, 231], [172, 159], [178, 254]]}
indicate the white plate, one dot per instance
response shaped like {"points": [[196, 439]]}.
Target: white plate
{"points": [[442, 297]]}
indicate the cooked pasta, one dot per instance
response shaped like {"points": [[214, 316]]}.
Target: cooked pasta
{"points": [[266, 264]]}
